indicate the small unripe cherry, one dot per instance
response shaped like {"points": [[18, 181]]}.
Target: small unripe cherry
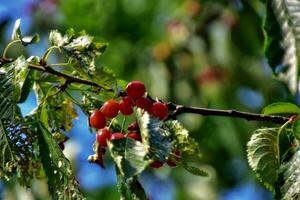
{"points": [[116, 136], [110, 108], [97, 119], [159, 110], [125, 106], [134, 136], [102, 136], [156, 164], [135, 89], [144, 103]]}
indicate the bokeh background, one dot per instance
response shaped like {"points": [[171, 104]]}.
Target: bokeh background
{"points": [[206, 53]]}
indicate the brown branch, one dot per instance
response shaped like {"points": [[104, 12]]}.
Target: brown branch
{"points": [[50, 70], [179, 109], [71, 79]]}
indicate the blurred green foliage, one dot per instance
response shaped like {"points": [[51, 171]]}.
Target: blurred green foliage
{"points": [[201, 53]]}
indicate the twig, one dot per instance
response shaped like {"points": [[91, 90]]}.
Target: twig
{"points": [[50, 70], [180, 109], [177, 109], [70, 78]]}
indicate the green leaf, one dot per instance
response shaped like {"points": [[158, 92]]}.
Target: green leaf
{"points": [[29, 80], [296, 128], [263, 155], [181, 139], [80, 43], [30, 39], [57, 39], [290, 190], [136, 189], [129, 156], [130, 189], [18, 152], [122, 185], [61, 180], [281, 108], [192, 169], [57, 111], [154, 137], [82, 51], [17, 35], [27, 85], [12, 81], [288, 20], [273, 36]]}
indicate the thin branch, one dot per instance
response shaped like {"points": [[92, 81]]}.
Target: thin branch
{"points": [[50, 70], [70, 78], [179, 109]]}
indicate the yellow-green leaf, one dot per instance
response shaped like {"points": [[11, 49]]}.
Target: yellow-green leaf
{"points": [[281, 108]]}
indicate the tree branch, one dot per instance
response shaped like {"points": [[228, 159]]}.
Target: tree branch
{"points": [[50, 70], [70, 78], [177, 109], [180, 109]]}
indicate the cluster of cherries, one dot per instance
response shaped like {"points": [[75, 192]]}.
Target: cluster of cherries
{"points": [[135, 96]]}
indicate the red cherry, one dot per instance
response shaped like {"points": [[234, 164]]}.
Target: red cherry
{"points": [[177, 157], [97, 119], [116, 136], [125, 106], [102, 136], [110, 108], [134, 136], [133, 126], [159, 110], [156, 164], [135, 89], [144, 103]]}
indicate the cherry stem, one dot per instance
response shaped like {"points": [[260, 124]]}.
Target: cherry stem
{"points": [[111, 122], [123, 124], [292, 118], [8, 46]]}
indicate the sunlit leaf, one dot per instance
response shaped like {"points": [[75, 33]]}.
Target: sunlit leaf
{"points": [[57, 112], [30, 39], [129, 156], [181, 139], [57, 39], [290, 190], [82, 51], [18, 153], [263, 155], [16, 34], [281, 108], [11, 85], [154, 137], [80, 43], [61, 180], [283, 51]]}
